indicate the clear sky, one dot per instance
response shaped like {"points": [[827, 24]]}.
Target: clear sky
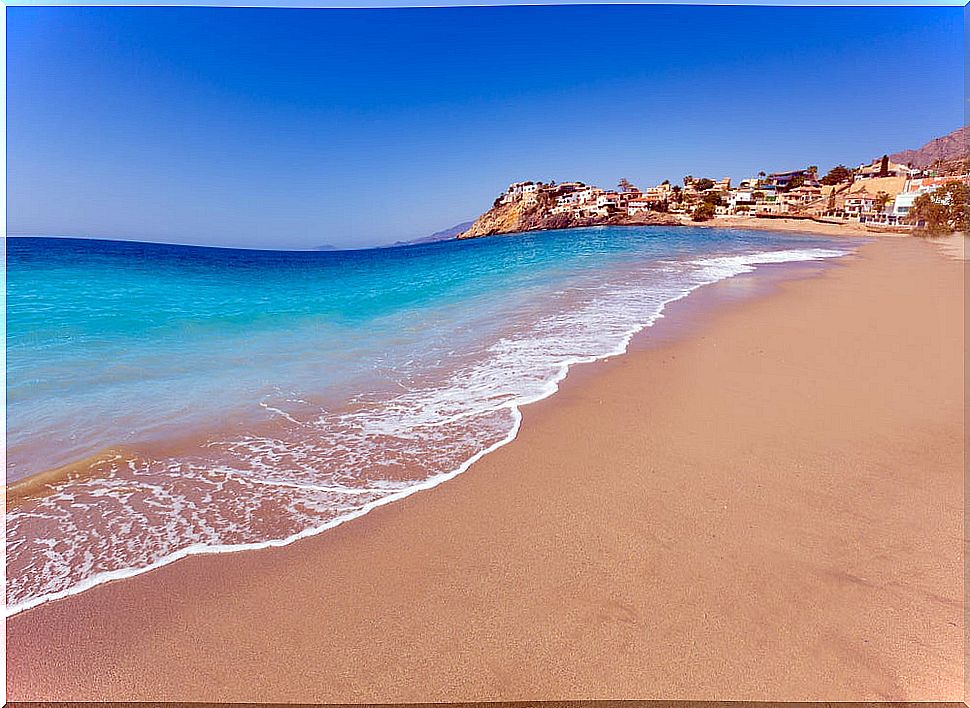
{"points": [[295, 128]]}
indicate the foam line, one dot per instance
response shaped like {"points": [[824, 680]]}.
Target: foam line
{"points": [[717, 268]]}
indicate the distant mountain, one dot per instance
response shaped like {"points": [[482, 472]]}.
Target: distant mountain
{"points": [[326, 247], [443, 235], [948, 149]]}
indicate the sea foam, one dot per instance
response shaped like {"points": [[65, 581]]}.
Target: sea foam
{"points": [[317, 466]]}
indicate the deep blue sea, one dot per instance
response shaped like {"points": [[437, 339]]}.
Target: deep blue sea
{"points": [[213, 400]]}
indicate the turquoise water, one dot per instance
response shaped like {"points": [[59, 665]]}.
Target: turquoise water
{"points": [[251, 397]]}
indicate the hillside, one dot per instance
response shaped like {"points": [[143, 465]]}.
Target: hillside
{"points": [[949, 149], [532, 214]]}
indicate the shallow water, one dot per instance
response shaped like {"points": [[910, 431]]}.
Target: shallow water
{"points": [[248, 398]]}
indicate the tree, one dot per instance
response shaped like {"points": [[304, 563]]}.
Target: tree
{"points": [[944, 210], [703, 184], [688, 180], [625, 186], [678, 194], [703, 212], [796, 181], [712, 198], [707, 207], [812, 169], [882, 199], [666, 181], [839, 173], [884, 166]]}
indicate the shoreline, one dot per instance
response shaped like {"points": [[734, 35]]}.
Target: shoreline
{"points": [[39, 485], [498, 560], [806, 226], [789, 226]]}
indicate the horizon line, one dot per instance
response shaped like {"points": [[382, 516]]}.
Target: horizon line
{"points": [[69, 237]]}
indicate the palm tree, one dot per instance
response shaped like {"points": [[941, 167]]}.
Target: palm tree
{"points": [[882, 199]]}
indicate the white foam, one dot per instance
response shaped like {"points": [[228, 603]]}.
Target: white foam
{"points": [[334, 467]]}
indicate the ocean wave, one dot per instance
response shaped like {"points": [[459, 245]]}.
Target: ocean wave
{"points": [[317, 467]]}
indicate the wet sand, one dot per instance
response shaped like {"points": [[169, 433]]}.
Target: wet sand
{"points": [[763, 500]]}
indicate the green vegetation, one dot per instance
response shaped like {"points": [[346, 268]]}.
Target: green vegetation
{"points": [[839, 173], [707, 207], [703, 184], [703, 212], [882, 199], [712, 198], [944, 210]]}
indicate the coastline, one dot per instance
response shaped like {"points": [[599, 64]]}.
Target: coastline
{"points": [[101, 464], [809, 227], [487, 556]]}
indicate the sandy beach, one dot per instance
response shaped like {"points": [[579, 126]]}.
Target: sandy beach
{"points": [[805, 226], [762, 500]]}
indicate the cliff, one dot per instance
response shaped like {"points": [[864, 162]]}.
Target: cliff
{"points": [[532, 214]]}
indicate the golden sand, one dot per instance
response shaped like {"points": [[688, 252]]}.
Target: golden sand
{"points": [[762, 501]]}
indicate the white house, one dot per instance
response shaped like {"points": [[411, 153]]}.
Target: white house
{"points": [[859, 203], [639, 205]]}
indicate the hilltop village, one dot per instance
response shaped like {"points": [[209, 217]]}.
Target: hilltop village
{"points": [[879, 196]]}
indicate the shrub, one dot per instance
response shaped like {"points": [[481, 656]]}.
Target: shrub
{"points": [[703, 212]]}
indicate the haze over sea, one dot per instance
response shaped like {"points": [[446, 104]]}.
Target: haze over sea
{"points": [[211, 399]]}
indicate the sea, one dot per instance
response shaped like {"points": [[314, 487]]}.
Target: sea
{"points": [[177, 400]]}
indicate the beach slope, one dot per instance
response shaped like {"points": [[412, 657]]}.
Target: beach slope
{"points": [[763, 500]]}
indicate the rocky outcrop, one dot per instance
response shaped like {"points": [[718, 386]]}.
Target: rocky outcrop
{"points": [[532, 214], [506, 218]]}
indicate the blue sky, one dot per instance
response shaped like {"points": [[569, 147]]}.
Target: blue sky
{"points": [[293, 128]]}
